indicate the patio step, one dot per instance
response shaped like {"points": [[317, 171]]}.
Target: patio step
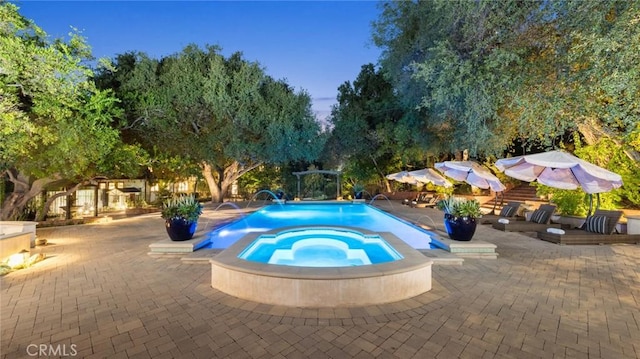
{"points": [[521, 193], [168, 246], [469, 249]]}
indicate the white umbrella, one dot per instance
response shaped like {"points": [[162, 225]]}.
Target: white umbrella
{"points": [[472, 173], [560, 170], [429, 175], [402, 177]]}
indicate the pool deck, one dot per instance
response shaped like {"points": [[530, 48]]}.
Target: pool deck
{"points": [[99, 294]]}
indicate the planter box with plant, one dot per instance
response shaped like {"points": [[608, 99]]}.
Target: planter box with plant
{"points": [[460, 217], [181, 217]]}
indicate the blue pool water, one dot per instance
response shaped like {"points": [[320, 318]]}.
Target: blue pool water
{"points": [[320, 247], [277, 216]]}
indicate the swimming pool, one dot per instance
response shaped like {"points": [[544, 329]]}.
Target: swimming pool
{"points": [[355, 215], [320, 247]]}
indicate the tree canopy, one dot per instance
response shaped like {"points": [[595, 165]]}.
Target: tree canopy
{"points": [[54, 123], [487, 73], [222, 113], [367, 126], [491, 76]]}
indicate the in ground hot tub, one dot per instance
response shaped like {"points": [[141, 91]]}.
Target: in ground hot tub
{"points": [[321, 267], [320, 247]]}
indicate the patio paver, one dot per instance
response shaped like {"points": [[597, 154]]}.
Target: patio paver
{"points": [[98, 294]]}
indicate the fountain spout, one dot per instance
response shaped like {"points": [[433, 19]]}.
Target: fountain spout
{"points": [[381, 195], [276, 199]]}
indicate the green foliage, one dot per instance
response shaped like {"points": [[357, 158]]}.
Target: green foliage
{"points": [[263, 177], [223, 114], [607, 154], [186, 207], [365, 122], [486, 73], [575, 202], [54, 123], [49, 103], [460, 206]]}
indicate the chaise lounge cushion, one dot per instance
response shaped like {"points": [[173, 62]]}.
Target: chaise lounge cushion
{"points": [[597, 224], [582, 236], [507, 211], [540, 216]]}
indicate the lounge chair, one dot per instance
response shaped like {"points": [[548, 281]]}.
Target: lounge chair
{"points": [[599, 228], [410, 201], [509, 211], [426, 200], [540, 220]]}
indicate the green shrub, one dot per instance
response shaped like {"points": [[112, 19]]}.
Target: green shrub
{"points": [[576, 202], [186, 207], [460, 207]]}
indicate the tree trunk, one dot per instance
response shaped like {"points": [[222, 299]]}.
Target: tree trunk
{"points": [[384, 178], [23, 191], [219, 180], [40, 216], [592, 134], [214, 187]]}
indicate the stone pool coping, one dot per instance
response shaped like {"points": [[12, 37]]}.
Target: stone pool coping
{"points": [[322, 287]]}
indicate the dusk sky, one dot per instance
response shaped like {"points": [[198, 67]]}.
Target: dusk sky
{"points": [[314, 45]]}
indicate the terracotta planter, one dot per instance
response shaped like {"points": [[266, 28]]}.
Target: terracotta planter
{"points": [[460, 228]]}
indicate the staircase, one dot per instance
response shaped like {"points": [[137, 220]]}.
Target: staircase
{"points": [[522, 193]]}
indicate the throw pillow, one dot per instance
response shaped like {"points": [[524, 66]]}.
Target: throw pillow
{"points": [[539, 216], [596, 224], [507, 211]]}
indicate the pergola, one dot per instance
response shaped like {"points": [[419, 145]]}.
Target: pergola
{"points": [[325, 172]]}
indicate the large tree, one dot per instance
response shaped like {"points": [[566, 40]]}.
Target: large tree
{"points": [[55, 126], [366, 126], [491, 72], [451, 59], [223, 113]]}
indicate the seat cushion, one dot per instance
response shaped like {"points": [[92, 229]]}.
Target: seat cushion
{"points": [[539, 216], [507, 211], [596, 224]]}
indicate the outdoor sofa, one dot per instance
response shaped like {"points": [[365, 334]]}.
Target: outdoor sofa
{"points": [[599, 228], [540, 220]]}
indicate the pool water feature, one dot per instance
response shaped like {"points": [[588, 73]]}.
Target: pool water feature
{"points": [[320, 247]]}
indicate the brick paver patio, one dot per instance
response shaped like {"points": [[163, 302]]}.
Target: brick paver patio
{"points": [[99, 294]]}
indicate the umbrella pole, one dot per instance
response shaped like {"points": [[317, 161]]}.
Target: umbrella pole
{"points": [[590, 204], [495, 201]]}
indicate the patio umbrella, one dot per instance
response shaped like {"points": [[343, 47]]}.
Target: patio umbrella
{"points": [[562, 170], [472, 173], [429, 175], [402, 177]]}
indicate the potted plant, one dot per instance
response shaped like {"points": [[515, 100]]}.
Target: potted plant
{"points": [[460, 216], [358, 190], [181, 217]]}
